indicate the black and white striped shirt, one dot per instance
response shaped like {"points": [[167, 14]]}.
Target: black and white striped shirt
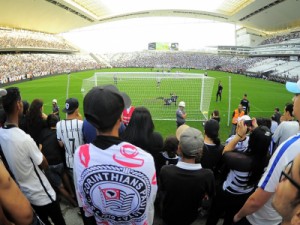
{"points": [[70, 133]]}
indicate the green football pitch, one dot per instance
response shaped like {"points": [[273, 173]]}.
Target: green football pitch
{"points": [[263, 95]]}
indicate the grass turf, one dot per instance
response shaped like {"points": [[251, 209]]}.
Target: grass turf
{"points": [[263, 95]]}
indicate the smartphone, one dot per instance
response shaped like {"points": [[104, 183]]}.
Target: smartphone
{"points": [[248, 123]]}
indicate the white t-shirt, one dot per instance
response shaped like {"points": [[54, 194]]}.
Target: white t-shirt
{"points": [[285, 153], [116, 185], [70, 133], [285, 130], [18, 148]]}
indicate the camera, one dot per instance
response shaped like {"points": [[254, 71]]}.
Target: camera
{"points": [[248, 123]]}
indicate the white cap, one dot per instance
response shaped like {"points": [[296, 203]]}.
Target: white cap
{"points": [[182, 104], [245, 117], [54, 100]]}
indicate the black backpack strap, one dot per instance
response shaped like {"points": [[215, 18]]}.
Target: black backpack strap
{"points": [[40, 179]]}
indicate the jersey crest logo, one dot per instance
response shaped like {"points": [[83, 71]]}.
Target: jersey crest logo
{"points": [[116, 200], [128, 156], [115, 194]]}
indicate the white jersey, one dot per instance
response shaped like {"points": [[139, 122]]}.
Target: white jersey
{"points": [[241, 146], [285, 153], [236, 181], [70, 133], [116, 185], [23, 158]]}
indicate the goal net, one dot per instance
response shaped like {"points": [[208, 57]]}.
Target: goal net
{"points": [[160, 92]]}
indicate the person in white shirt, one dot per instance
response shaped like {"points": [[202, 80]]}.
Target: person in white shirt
{"points": [[286, 199], [25, 159], [258, 209], [115, 180]]}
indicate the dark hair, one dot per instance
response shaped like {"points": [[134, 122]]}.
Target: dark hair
{"points": [[289, 108], [52, 120], [34, 111], [211, 130], [171, 146], [25, 107], [140, 128], [216, 113], [13, 95], [34, 119], [2, 117], [264, 122], [258, 146], [245, 95]]}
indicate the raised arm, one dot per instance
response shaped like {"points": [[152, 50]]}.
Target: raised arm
{"points": [[16, 206], [241, 132]]}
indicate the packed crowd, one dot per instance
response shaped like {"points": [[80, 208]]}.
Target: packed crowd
{"points": [[117, 169], [281, 38], [28, 39], [152, 59], [15, 67]]}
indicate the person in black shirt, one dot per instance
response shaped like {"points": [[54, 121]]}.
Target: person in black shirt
{"points": [[54, 155], [246, 104], [219, 92], [185, 184]]}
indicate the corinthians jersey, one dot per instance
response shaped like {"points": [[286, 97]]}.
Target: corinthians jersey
{"points": [[70, 133], [116, 185]]}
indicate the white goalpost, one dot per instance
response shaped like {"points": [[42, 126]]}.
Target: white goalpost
{"points": [[160, 92]]}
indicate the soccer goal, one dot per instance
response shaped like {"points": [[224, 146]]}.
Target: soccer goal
{"points": [[160, 92]]}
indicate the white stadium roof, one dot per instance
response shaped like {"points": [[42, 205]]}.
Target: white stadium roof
{"points": [[56, 16]]}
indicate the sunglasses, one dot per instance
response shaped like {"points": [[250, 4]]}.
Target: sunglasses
{"points": [[286, 174]]}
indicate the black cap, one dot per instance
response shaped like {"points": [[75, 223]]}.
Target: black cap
{"points": [[71, 105], [103, 106]]}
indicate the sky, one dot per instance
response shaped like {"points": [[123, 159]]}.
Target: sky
{"points": [[135, 34]]}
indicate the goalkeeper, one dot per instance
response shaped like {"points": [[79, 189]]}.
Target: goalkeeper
{"points": [[180, 114]]}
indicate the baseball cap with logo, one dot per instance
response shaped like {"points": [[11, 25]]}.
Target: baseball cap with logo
{"points": [[71, 105], [103, 106], [190, 141]]}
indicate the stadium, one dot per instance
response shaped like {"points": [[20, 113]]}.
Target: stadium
{"points": [[38, 56]]}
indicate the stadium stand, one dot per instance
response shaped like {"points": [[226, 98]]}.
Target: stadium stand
{"points": [[281, 38], [15, 39], [15, 67]]}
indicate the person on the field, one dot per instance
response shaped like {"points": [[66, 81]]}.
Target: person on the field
{"points": [[115, 179], [219, 91], [246, 104], [180, 114], [237, 113], [55, 108], [216, 115]]}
